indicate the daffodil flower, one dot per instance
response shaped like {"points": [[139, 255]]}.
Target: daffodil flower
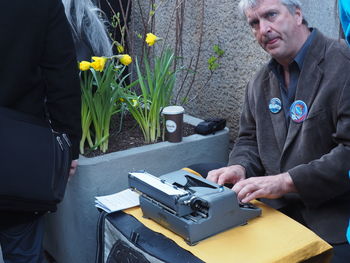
{"points": [[120, 48], [151, 39], [84, 65], [99, 63], [134, 102], [125, 59]]}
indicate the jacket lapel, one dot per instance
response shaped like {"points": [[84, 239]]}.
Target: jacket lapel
{"points": [[308, 83], [271, 90]]}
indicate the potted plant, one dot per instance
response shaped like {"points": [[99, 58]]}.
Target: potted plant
{"points": [[156, 87], [102, 82]]}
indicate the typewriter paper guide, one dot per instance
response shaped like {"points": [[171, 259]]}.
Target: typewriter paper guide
{"points": [[155, 182], [189, 205]]}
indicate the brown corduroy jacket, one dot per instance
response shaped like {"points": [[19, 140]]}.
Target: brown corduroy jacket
{"points": [[316, 152]]}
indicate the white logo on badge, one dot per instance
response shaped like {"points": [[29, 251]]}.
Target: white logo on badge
{"points": [[170, 126]]}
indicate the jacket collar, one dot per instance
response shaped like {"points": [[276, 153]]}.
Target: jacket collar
{"points": [[309, 81], [308, 84]]}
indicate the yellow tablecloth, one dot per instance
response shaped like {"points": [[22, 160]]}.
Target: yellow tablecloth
{"points": [[271, 238]]}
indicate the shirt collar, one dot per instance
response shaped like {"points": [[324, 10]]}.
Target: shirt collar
{"points": [[300, 57]]}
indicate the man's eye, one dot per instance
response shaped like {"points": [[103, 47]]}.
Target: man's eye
{"points": [[271, 14], [254, 23]]}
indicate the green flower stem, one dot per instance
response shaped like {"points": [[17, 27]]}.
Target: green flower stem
{"points": [[156, 86], [100, 101]]}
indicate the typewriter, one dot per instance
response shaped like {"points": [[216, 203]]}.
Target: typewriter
{"points": [[189, 205]]}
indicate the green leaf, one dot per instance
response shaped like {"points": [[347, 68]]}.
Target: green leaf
{"points": [[212, 60], [218, 51], [156, 84], [100, 93], [213, 66]]}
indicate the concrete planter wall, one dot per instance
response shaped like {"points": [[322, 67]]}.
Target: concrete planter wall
{"points": [[71, 231]]}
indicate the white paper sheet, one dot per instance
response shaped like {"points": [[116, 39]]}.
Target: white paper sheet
{"points": [[118, 201]]}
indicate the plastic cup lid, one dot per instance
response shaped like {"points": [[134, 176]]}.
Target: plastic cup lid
{"points": [[172, 110]]}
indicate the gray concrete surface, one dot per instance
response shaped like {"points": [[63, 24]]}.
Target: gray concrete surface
{"points": [[323, 15]]}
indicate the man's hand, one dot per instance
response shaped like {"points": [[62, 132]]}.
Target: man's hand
{"points": [[272, 187], [73, 167], [230, 174]]}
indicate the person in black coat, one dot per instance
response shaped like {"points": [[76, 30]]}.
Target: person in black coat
{"points": [[39, 76]]}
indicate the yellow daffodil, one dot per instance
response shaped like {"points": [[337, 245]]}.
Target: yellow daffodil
{"points": [[151, 39], [134, 103], [125, 59], [84, 65], [99, 63], [120, 48]]}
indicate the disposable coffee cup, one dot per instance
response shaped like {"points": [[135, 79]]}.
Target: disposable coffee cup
{"points": [[173, 123]]}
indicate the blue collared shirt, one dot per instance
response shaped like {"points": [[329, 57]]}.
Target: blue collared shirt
{"points": [[288, 94]]}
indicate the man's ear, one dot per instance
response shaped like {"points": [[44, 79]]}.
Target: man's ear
{"points": [[298, 16]]}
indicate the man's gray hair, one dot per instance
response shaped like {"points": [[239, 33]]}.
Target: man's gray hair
{"points": [[291, 5], [246, 4], [87, 23]]}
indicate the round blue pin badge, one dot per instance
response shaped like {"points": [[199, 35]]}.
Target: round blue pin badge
{"points": [[298, 111], [275, 105]]}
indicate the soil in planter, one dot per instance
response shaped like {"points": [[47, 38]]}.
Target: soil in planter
{"points": [[130, 136]]}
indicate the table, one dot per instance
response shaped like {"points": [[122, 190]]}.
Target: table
{"points": [[272, 237]]}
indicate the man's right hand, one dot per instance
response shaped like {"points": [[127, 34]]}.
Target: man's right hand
{"points": [[230, 174]]}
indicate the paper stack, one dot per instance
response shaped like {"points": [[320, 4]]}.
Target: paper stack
{"points": [[118, 201]]}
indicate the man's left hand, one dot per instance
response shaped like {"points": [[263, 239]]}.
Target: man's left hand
{"points": [[273, 186]]}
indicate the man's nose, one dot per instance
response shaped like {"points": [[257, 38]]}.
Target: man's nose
{"points": [[264, 27]]}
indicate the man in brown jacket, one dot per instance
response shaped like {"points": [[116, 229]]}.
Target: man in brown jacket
{"points": [[293, 148]]}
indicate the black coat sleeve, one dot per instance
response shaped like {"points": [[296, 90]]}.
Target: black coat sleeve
{"points": [[60, 71]]}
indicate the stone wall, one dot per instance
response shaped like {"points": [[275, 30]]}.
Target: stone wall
{"points": [[201, 24], [323, 15]]}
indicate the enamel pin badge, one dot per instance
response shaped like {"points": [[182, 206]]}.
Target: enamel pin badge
{"points": [[298, 111], [275, 105]]}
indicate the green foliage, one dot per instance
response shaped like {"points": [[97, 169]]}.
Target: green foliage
{"points": [[213, 60], [212, 64], [218, 51], [156, 85], [101, 93]]}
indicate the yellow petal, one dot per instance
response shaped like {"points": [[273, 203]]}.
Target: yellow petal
{"points": [[151, 39], [84, 65], [125, 59], [134, 102], [99, 63]]}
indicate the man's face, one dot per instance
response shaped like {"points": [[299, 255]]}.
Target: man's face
{"points": [[276, 29]]}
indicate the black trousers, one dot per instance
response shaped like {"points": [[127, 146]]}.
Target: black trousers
{"points": [[21, 238]]}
